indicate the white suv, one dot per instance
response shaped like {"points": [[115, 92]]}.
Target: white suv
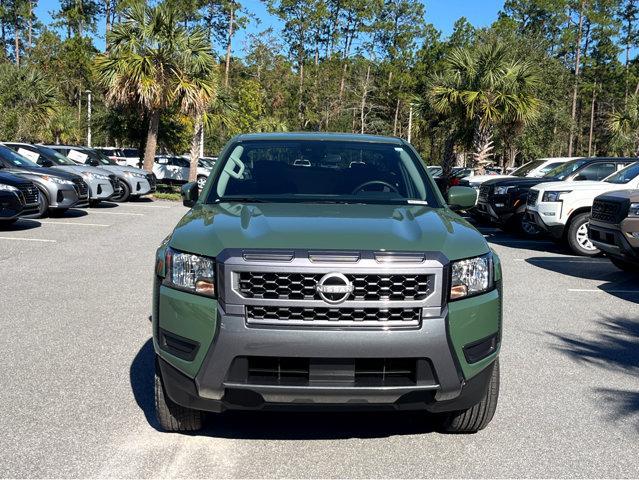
{"points": [[563, 208]]}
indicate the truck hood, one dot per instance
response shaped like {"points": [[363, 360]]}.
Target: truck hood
{"points": [[120, 169], [630, 195], [40, 172], [209, 229], [79, 169], [580, 186]]}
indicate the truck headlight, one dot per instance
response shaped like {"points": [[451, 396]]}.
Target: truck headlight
{"points": [[634, 210], [503, 190], [189, 272], [554, 196], [471, 276], [7, 188]]}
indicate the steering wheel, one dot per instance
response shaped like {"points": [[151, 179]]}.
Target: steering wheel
{"points": [[390, 186]]}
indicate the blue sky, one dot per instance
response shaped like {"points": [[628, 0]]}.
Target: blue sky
{"points": [[441, 13]]}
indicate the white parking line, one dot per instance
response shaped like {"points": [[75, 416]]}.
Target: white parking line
{"points": [[145, 205], [117, 213], [598, 290], [499, 241], [43, 240], [76, 223], [568, 260]]}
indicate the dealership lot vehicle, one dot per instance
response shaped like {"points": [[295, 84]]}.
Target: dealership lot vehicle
{"points": [[18, 197], [503, 201], [102, 184], [349, 309], [58, 190], [132, 182], [103, 424], [123, 156], [170, 169], [533, 169], [614, 228], [563, 208]]}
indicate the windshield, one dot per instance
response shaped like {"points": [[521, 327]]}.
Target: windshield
{"points": [[55, 156], [321, 172], [15, 159], [624, 176], [527, 168], [565, 169], [84, 154]]}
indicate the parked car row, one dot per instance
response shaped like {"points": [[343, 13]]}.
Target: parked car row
{"points": [[175, 170], [40, 180]]}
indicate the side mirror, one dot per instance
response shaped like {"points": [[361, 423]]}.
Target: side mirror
{"points": [[461, 198], [46, 163], [190, 194], [93, 162]]}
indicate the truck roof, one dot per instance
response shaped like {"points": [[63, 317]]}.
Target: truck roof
{"points": [[320, 136]]}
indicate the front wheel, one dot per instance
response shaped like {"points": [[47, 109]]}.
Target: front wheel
{"points": [[577, 236], [125, 192], [171, 416], [43, 204], [479, 416]]}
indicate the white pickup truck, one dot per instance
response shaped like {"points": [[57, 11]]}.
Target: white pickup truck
{"points": [[562, 209]]}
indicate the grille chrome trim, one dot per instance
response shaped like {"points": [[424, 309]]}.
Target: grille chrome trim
{"points": [[232, 262]]}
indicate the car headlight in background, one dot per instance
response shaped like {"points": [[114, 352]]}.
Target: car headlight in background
{"points": [[503, 190], [634, 210], [189, 272], [92, 176], [554, 196], [134, 174], [56, 180], [7, 188], [471, 276]]}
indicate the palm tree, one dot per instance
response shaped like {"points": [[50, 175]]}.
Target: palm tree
{"points": [[149, 63], [624, 126], [481, 89]]}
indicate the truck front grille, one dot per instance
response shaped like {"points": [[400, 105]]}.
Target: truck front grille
{"points": [[303, 286], [484, 191], [533, 195], [338, 316], [30, 193], [608, 212]]}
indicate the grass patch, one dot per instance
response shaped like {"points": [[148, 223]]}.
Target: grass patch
{"points": [[168, 192]]}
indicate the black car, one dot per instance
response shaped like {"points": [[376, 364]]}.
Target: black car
{"points": [[503, 200], [59, 190], [18, 197]]}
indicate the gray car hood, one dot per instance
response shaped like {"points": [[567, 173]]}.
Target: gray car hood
{"points": [[78, 169]]}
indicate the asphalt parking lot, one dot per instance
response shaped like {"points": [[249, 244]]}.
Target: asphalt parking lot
{"points": [[77, 374]]}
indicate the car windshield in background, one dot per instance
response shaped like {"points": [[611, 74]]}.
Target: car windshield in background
{"points": [[526, 169], [565, 169], [624, 176], [130, 152], [99, 156], [55, 156], [322, 171], [15, 159]]}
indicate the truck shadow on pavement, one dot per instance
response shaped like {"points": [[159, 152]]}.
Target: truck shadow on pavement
{"points": [[615, 347], [267, 425], [619, 284]]}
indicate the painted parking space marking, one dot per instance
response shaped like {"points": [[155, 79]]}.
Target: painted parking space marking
{"points": [[598, 290], [561, 260], [82, 224], [21, 239], [147, 206], [118, 213]]}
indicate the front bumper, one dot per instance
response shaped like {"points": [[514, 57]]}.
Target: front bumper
{"points": [[140, 186], [11, 206], [212, 378], [497, 209], [547, 217], [65, 197], [616, 241], [100, 189]]}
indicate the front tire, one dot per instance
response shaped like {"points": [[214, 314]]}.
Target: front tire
{"points": [[124, 195], [577, 236], [479, 416], [43, 204], [171, 416]]}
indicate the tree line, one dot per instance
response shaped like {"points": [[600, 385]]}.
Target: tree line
{"points": [[547, 78]]}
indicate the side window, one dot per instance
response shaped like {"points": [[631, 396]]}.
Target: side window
{"points": [[597, 171]]}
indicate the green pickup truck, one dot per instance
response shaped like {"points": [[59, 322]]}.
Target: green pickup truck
{"points": [[326, 271]]}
